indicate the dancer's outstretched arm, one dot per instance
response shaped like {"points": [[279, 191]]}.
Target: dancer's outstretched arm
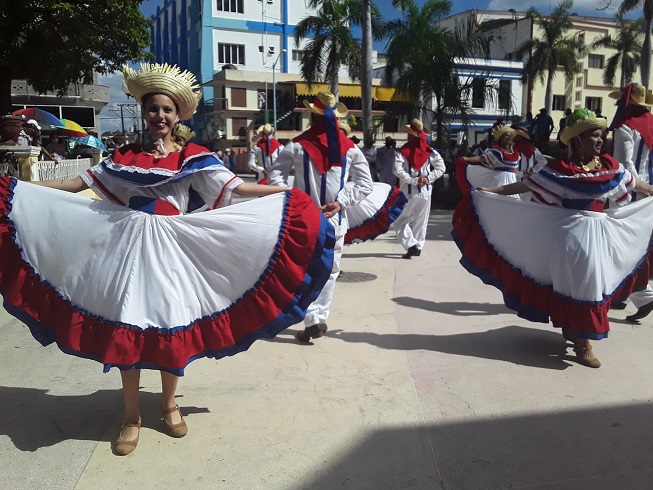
{"points": [[74, 185], [506, 190]]}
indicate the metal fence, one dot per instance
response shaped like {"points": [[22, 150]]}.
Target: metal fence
{"points": [[61, 170]]}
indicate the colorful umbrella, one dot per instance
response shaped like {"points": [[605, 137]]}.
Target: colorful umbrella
{"points": [[45, 119], [89, 140], [71, 128]]}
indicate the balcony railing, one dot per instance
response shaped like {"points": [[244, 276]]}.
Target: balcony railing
{"points": [[61, 170], [213, 105]]}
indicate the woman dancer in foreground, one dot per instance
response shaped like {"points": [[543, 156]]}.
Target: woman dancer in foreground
{"points": [[567, 259], [138, 282]]}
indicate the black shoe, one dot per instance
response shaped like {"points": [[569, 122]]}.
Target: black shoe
{"points": [[618, 305], [412, 252], [312, 332], [641, 312]]}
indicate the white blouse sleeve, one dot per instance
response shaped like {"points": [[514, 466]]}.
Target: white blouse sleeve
{"points": [[216, 187]]}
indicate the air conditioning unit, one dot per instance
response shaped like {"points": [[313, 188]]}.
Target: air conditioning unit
{"points": [[271, 50]]}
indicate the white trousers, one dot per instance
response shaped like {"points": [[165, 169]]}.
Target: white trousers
{"points": [[411, 224], [640, 298], [318, 310]]}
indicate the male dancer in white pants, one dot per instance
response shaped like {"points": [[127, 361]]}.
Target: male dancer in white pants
{"points": [[264, 152], [324, 160], [417, 165], [633, 145]]}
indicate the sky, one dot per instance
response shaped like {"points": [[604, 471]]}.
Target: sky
{"points": [[110, 119]]}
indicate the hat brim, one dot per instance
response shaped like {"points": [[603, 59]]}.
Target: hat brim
{"points": [[523, 132], [340, 110], [497, 134], [410, 131], [579, 128], [165, 81], [647, 102]]}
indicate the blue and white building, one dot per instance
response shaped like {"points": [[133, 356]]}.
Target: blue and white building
{"points": [[205, 36]]}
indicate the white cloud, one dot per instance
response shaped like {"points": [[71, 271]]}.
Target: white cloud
{"points": [[583, 7], [109, 120]]}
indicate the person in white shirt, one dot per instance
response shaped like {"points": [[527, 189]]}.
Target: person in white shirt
{"points": [[633, 145], [417, 166], [265, 150], [324, 160]]}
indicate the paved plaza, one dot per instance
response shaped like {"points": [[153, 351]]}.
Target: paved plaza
{"points": [[425, 380]]}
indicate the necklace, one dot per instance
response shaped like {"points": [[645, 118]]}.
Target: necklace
{"points": [[595, 164]]}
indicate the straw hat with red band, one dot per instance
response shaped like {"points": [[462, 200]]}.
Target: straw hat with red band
{"points": [[324, 100], [165, 79], [638, 94], [415, 127], [263, 130]]}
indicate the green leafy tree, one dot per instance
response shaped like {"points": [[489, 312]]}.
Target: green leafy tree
{"points": [[421, 63], [52, 44], [628, 44], [647, 5], [330, 41], [553, 50]]}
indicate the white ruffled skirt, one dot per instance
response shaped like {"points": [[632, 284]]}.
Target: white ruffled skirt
{"points": [[131, 289]]}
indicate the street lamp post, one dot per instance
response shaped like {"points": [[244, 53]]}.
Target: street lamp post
{"points": [[274, 89]]}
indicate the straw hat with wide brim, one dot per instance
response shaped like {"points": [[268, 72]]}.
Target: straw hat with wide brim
{"points": [[499, 131], [165, 79], [324, 100], [638, 95], [415, 127], [264, 129], [345, 127], [183, 131], [581, 120], [523, 132]]}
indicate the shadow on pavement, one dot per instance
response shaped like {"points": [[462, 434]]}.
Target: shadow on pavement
{"points": [[457, 308], [514, 344], [372, 255], [439, 227], [34, 418], [593, 448]]}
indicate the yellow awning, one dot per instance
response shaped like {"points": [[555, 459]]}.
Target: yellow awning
{"points": [[343, 90], [348, 90], [388, 94]]}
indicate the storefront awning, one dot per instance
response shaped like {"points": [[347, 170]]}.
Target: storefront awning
{"points": [[349, 90], [343, 89]]}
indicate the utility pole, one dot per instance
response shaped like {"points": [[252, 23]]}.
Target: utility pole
{"points": [[132, 111]]}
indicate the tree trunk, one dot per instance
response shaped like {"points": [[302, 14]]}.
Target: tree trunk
{"points": [[548, 97], [366, 72], [645, 66], [333, 76], [5, 89]]}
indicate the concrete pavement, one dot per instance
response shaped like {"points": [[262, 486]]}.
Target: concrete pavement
{"points": [[425, 380]]}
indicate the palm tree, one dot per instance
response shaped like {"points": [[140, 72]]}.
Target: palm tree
{"points": [[628, 43], [421, 59], [331, 43], [627, 6], [555, 49]]}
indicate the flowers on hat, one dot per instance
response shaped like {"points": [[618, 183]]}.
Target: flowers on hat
{"points": [[581, 120]]}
